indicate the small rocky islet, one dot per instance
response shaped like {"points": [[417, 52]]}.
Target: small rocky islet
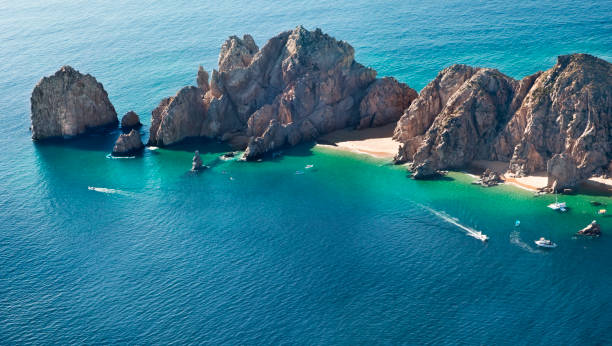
{"points": [[303, 84]]}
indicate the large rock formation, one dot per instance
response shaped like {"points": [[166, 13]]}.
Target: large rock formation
{"points": [[68, 104], [301, 84], [558, 120], [128, 144]]}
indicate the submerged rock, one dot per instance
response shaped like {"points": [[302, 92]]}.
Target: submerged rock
{"points": [[69, 104], [593, 229], [128, 144], [558, 120], [197, 163], [299, 85], [130, 121]]}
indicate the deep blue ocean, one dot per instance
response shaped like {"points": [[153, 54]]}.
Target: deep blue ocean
{"points": [[351, 252]]}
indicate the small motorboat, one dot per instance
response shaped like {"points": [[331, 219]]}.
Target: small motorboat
{"points": [[299, 172], [543, 242], [602, 211], [483, 237], [517, 223], [309, 166]]}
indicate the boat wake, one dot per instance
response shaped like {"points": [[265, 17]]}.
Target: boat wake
{"points": [[515, 238], [110, 156], [108, 191], [454, 221]]}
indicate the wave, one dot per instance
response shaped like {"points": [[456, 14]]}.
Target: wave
{"points": [[454, 221], [108, 191]]}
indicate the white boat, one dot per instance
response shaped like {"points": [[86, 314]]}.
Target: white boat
{"points": [[309, 166], [543, 242], [560, 206], [481, 236]]}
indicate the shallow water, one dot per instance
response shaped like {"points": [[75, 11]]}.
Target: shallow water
{"points": [[247, 253]]}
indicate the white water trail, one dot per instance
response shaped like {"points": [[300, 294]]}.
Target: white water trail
{"points": [[454, 221], [515, 238], [110, 156], [108, 191]]}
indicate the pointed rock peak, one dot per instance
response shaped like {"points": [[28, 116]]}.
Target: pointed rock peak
{"points": [[237, 53], [67, 69], [202, 79]]}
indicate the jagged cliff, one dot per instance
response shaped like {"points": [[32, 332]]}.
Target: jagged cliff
{"points": [[68, 104], [299, 85], [559, 120]]}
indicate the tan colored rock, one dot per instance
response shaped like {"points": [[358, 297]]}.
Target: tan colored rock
{"points": [[237, 53], [299, 85], [385, 102], [558, 120], [178, 117], [128, 144], [69, 104], [202, 80], [567, 111]]}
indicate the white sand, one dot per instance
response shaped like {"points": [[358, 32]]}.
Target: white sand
{"points": [[376, 142]]}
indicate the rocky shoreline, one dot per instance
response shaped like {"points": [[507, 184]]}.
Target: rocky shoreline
{"points": [[302, 85]]}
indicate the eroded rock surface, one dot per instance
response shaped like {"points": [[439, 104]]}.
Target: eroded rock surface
{"points": [[178, 117], [299, 85], [130, 121], [69, 103], [128, 144], [558, 120], [385, 102]]}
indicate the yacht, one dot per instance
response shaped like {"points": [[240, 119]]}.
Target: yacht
{"points": [[543, 242], [559, 206]]}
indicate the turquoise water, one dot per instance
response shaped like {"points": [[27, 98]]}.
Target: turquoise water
{"points": [[348, 252]]}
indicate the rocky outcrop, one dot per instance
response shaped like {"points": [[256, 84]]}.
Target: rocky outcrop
{"points": [[130, 121], [177, 118], [558, 120], [197, 163], [128, 144], [69, 104], [299, 85], [384, 102], [593, 229], [202, 79], [490, 178]]}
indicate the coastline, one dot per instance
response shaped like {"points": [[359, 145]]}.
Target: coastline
{"points": [[375, 142], [378, 143]]}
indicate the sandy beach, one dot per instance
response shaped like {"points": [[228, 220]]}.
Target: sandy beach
{"points": [[377, 142]]}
